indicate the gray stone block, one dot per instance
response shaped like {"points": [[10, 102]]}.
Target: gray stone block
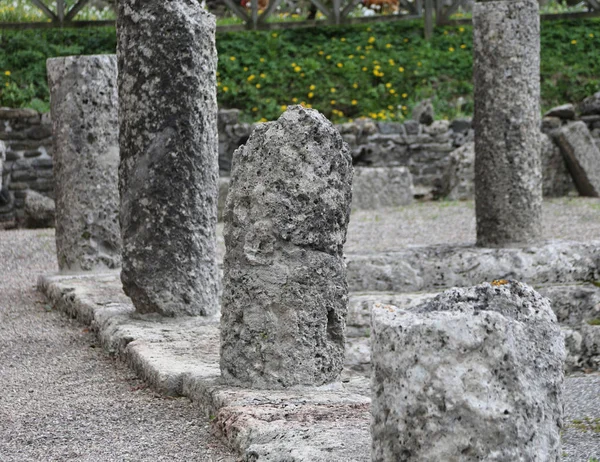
{"points": [[474, 374], [557, 180], [582, 157], [285, 295], [423, 112], [223, 191], [565, 111], [590, 105], [2, 158], [458, 180], [84, 106], [169, 166], [374, 188], [506, 77], [39, 210]]}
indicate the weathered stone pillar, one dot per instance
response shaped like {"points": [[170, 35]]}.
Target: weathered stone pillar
{"points": [[285, 295], [168, 174], [475, 372], [506, 75], [84, 106]]}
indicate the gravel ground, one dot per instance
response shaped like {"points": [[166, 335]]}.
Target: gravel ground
{"points": [[61, 397]]}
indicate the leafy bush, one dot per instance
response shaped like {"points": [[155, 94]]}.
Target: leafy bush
{"points": [[378, 70]]}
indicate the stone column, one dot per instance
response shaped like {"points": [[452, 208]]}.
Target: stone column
{"points": [[84, 105], [475, 372], [506, 76], [168, 174], [285, 295]]}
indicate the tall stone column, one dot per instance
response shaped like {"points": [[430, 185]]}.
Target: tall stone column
{"points": [[168, 173], [285, 295], [506, 75], [84, 105]]}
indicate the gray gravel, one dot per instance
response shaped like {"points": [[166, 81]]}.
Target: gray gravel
{"points": [[61, 397]]}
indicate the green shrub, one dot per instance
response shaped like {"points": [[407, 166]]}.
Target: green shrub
{"points": [[378, 70]]}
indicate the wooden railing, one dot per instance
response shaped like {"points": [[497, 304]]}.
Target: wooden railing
{"points": [[334, 12]]}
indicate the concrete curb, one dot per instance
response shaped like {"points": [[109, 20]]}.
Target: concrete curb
{"points": [[179, 356]]}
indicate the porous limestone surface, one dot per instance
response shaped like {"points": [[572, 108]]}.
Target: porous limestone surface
{"points": [[84, 104], [506, 80], [582, 157], [285, 296], [179, 356], [39, 210], [475, 373], [378, 187], [431, 268], [168, 172]]}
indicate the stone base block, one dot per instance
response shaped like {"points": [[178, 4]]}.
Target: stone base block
{"points": [[374, 188], [474, 374]]}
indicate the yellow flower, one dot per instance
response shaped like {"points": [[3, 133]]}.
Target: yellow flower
{"points": [[573, 42], [274, 34], [258, 85], [445, 32], [404, 108], [294, 100], [388, 45], [302, 75], [7, 73], [254, 109], [297, 69], [400, 69], [404, 95], [332, 102], [364, 69], [390, 107], [419, 64], [342, 39], [262, 119], [7, 84], [351, 56], [388, 85], [358, 48], [451, 49], [312, 87], [354, 85], [362, 56], [263, 75], [245, 69], [283, 107], [391, 62], [405, 40], [262, 60], [392, 91], [332, 90], [250, 78], [354, 102], [321, 52], [309, 106], [310, 94], [463, 46], [340, 65], [232, 58], [461, 29], [591, 35], [328, 57], [225, 89], [293, 64], [371, 39]]}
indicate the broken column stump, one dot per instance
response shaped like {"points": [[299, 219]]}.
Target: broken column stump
{"points": [[84, 106], [506, 76], [168, 173], [476, 373], [285, 295]]}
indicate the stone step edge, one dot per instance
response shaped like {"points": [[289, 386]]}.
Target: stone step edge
{"points": [[327, 424]]}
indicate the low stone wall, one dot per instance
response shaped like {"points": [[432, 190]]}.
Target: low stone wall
{"points": [[425, 150]]}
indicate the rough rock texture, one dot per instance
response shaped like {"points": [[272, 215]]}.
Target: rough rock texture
{"points": [[506, 77], [84, 102], [374, 188], [223, 191], [423, 112], [39, 210], [582, 157], [2, 158], [564, 111], [169, 168], [458, 182], [590, 105], [556, 178], [285, 295], [474, 374]]}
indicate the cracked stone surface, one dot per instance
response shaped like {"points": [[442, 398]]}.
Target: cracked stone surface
{"points": [[285, 295], [169, 170]]}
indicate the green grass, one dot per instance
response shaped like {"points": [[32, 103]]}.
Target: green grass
{"points": [[379, 70]]}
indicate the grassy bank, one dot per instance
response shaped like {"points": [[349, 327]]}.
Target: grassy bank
{"points": [[379, 70]]}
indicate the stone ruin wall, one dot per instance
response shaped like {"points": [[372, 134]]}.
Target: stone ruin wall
{"points": [[424, 149]]}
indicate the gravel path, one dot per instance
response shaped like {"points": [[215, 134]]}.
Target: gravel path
{"points": [[61, 397]]}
